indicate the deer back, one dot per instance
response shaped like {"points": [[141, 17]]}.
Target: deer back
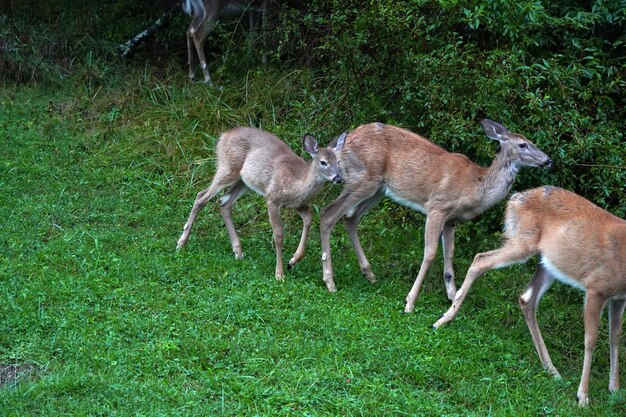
{"points": [[269, 166], [580, 243], [417, 172], [409, 166], [258, 156]]}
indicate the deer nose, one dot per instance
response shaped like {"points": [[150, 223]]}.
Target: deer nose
{"points": [[547, 163], [337, 179]]}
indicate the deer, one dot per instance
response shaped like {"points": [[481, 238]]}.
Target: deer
{"points": [[579, 244], [249, 158], [380, 160], [204, 16]]}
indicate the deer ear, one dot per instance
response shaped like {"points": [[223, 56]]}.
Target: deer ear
{"points": [[310, 144], [338, 142], [494, 130]]}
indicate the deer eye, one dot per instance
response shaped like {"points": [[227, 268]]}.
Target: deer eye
{"points": [[323, 163], [523, 145]]}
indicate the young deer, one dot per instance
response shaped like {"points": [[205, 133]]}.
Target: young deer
{"points": [[252, 158], [380, 160], [205, 14], [581, 245]]}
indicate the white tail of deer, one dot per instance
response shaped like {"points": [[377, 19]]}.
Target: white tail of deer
{"points": [[581, 245], [252, 158], [380, 160], [204, 16]]}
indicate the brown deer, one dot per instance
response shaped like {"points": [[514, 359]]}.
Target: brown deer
{"points": [[253, 158], [380, 160], [581, 245], [204, 16]]}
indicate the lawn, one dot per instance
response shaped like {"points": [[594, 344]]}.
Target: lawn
{"points": [[99, 315]]}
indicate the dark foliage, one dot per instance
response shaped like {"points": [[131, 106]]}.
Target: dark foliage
{"points": [[554, 71]]}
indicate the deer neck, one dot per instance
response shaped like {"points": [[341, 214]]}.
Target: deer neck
{"points": [[497, 179], [307, 182]]}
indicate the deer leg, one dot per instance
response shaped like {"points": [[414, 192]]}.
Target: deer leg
{"points": [[483, 262], [594, 303], [219, 182], [330, 216], [264, 30], [226, 207], [190, 55], [307, 221], [434, 228], [528, 302], [351, 221], [199, 36], [277, 231], [616, 314], [447, 242], [196, 22]]}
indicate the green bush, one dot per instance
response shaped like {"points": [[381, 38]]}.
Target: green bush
{"points": [[553, 71]]}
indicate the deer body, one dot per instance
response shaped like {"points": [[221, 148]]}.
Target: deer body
{"points": [[380, 160], [204, 16], [249, 158], [581, 245]]}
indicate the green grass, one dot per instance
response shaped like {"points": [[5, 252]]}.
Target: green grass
{"points": [[97, 179]]}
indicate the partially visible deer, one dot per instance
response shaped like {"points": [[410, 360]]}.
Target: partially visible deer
{"points": [[204, 16], [380, 160], [253, 158], [581, 245]]}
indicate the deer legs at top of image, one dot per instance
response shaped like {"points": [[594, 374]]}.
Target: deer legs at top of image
{"points": [[204, 16]]}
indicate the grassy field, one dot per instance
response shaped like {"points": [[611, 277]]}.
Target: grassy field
{"points": [[99, 315]]}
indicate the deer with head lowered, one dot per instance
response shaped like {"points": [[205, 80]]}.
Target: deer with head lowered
{"points": [[249, 158], [380, 160], [579, 244], [204, 16]]}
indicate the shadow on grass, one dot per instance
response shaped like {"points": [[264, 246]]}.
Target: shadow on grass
{"points": [[11, 374]]}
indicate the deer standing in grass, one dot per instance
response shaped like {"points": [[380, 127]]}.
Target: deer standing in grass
{"points": [[204, 16], [380, 160], [252, 158], [581, 245]]}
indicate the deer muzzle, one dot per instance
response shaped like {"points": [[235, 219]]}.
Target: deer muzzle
{"points": [[547, 163]]}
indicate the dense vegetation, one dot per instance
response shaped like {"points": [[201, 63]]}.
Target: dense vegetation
{"points": [[100, 159]]}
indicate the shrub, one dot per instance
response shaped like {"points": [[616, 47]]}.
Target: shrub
{"points": [[551, 70]]}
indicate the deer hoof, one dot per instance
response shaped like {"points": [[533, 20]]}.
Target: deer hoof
{"points": [[439, 322]]}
